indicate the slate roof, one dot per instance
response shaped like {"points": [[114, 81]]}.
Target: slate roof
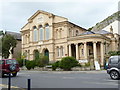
{"points": [[101, 32], [87, 33], [16, 35]]}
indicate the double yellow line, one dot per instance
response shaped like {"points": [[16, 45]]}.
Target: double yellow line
{"points": [[6, 86]]}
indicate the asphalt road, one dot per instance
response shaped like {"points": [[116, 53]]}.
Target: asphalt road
{"points": [[48, 79]]}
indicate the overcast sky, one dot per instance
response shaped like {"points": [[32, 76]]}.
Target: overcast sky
{"points": [[85, 13]]}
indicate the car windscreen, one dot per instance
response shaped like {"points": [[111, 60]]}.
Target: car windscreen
{"points": [[11, 62], [114, 60], [1, 61]]}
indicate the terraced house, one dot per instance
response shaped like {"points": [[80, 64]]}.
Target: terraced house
{"points": [[56, 37]]}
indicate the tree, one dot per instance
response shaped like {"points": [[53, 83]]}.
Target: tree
{"points": [[7, 42]]}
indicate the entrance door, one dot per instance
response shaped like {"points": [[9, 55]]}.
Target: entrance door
{"points": [[46, 53]]}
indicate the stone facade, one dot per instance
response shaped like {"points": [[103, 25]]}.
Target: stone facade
{"points": [[56, 37]]}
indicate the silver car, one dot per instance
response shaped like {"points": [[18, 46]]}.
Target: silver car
{"points": [[114, 67]]}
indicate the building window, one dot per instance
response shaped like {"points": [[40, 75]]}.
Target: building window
{"points": [[62, 52], [82, 51], [70, 33], [77, 33], [35, 34], [47, 32], [41, 32], [58, 52]]}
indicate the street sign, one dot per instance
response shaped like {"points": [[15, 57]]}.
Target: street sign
{"points": [[97, 65]]}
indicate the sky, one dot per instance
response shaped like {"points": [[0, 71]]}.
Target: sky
{"points": [[85, 13]]}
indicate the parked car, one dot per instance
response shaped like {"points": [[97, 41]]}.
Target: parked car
{"points": [[9, 66], [114, 67]]}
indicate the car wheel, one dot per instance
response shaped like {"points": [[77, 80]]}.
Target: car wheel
{"points": [[114, 75], [14, 74]]}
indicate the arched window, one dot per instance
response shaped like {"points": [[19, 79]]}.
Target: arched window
{"points": [[47, 32], [35, 34], [41, 32]]}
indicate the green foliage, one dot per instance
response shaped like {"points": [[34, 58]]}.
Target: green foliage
{"points": [[67, 63], [113, 53], [20, 61], [30, 64], [42, 60], [36, 55], [7, 42], [87, 64], [55, 65]]}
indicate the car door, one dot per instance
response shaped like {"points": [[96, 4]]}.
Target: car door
{"points": [[119, 63]]}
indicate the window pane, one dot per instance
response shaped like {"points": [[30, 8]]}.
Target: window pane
{"points": [[47, 33], [114, 60], [35, 35], [41, 33], [1, 61], [11, 62]]}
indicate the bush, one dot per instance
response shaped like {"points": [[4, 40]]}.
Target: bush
{"points": [[67, 63], [30, 64], [113, 53], [20, 61], [87, 64], [55, 65], [42, 61]]}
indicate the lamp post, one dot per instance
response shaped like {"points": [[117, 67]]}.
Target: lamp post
{"points": [[23, 57], [105, 55]]}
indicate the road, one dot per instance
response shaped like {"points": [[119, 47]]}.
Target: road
{"points": [[48, 79]]}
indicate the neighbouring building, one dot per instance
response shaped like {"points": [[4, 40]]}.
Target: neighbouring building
{"points": [[17, 49], [56, 37]]}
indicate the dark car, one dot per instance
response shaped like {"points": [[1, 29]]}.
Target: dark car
{"points": [[114, 67], [9, 66]]}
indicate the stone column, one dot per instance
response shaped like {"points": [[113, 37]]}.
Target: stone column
{"points": [[77, 52], [102, 53], [85, 50], [95, 50], [70, 53]]}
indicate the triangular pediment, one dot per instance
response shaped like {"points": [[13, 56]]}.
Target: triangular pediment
{"points": [[37, 13]]}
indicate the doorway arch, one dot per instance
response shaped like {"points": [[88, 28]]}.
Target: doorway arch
{"points": [[46, 53]]}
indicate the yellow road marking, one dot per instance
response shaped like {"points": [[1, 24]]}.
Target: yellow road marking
{"points": [[6, 86]]}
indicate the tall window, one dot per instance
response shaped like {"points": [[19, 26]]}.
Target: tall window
{"points": [[47, 32], [62, 51], [35, 34], [77, 33], [41, 33], [58, 52]]}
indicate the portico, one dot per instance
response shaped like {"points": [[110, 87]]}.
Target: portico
{"points": [[88, 49]]}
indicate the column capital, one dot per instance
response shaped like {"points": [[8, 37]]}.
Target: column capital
{"points": [[84, 42], [102, 42], [76, 43], [69, 44]]}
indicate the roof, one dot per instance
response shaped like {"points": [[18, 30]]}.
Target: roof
{"points": [[102, 32], [87, 33], [16, 35]]}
